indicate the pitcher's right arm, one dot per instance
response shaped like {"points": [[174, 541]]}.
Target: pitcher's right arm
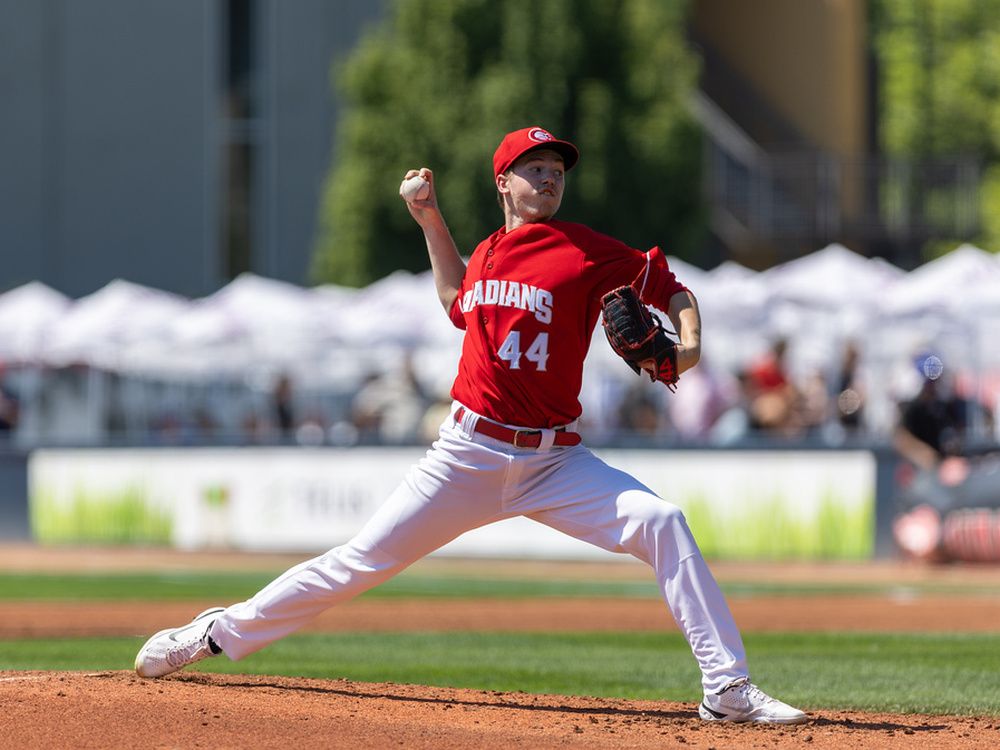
{"points": [[446, 264]]}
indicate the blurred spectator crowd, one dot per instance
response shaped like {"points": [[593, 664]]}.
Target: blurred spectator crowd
{"points": [[830, 349], [933, 412]]}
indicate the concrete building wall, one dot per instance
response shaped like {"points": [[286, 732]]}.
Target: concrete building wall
{"points": [[137, 173], [24, 130], [307, 38], [120, 160], [113, 130]]}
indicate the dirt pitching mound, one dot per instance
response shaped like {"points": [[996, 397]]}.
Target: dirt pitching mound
{"points": [[117, 709]]}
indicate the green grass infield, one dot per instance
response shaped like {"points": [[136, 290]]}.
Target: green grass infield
{"points": [[236, 586], [892, 672]]}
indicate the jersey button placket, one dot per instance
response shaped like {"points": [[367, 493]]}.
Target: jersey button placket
{"points": [[488, 267]]}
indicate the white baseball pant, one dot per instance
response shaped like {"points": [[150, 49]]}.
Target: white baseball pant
{"points": [[467, 480]]}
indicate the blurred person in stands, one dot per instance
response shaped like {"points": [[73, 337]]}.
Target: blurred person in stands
{"points": [[390, 406], [708, 395], [769, 372], [253, 429], [771, 394], [364, 417], [205, 425], [932, 425], [9, 405], [734, 424], [812, 409], [284, 408], [639, 412], [849, 390], [436, 413], [940, 476]]}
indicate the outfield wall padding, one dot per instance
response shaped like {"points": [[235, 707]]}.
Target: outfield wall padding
{"points": [[741, 504]]}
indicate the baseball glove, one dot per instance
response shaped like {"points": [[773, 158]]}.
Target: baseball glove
{"points": [[637, 335]]}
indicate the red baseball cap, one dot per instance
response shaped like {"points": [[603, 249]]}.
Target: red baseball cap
{"points": [[517, 144]]}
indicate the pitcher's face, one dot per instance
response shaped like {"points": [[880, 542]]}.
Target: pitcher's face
{"points": [[534, 185]]}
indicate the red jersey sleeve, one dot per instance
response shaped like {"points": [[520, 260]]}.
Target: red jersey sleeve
{"points": [[611, 264], [656, 283], [457, 318]]}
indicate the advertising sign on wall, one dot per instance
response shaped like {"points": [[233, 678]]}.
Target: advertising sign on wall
{"points": [[739, 504]]}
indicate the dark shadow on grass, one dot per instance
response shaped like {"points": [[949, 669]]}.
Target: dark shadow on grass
{"points": [[218, 680]]}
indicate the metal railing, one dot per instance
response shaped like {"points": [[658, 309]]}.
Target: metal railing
{"points": [[807, 197]]}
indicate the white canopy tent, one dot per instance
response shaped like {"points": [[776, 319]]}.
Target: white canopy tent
{"points": [[821, 301], [940, 285], [834, 278], [27, 314], [402, 309], [690, 275], [255, 322], [733, 301], [941, 306], [97, 329], [332, 337]]}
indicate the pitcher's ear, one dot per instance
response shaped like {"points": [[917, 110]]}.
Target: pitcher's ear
{"points": [[503, 182]]}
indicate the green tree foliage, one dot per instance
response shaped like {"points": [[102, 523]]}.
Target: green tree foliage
{"points": [[940, 86], [439, 82]]}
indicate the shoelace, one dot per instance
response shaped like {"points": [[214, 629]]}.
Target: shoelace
{"points": [[179, 655], [752, 692], [748, 690]]}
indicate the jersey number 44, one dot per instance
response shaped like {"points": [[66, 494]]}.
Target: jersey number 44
{"points": [[538, 352]]}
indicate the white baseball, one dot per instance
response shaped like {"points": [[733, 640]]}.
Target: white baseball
{"points": [[416, 188]]}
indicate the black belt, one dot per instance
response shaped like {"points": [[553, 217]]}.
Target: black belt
{"points": [[518, 438]]}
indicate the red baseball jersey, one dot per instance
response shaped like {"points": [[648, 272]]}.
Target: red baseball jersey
{"points": [[529, 304]]}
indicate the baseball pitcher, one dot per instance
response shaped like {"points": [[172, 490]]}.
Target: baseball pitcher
{"points": [[528, 300]]}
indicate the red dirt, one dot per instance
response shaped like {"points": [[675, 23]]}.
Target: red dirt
{"points": [[117, 709], [759, 614]]}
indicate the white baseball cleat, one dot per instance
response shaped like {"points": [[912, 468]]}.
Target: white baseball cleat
{"points": [[743, 701], [175, 648]]}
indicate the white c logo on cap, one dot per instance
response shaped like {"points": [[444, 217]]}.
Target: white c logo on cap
{"points": [[537, 134]]}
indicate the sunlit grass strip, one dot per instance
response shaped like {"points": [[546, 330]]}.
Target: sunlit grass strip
{"points": [[234, 586]]}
